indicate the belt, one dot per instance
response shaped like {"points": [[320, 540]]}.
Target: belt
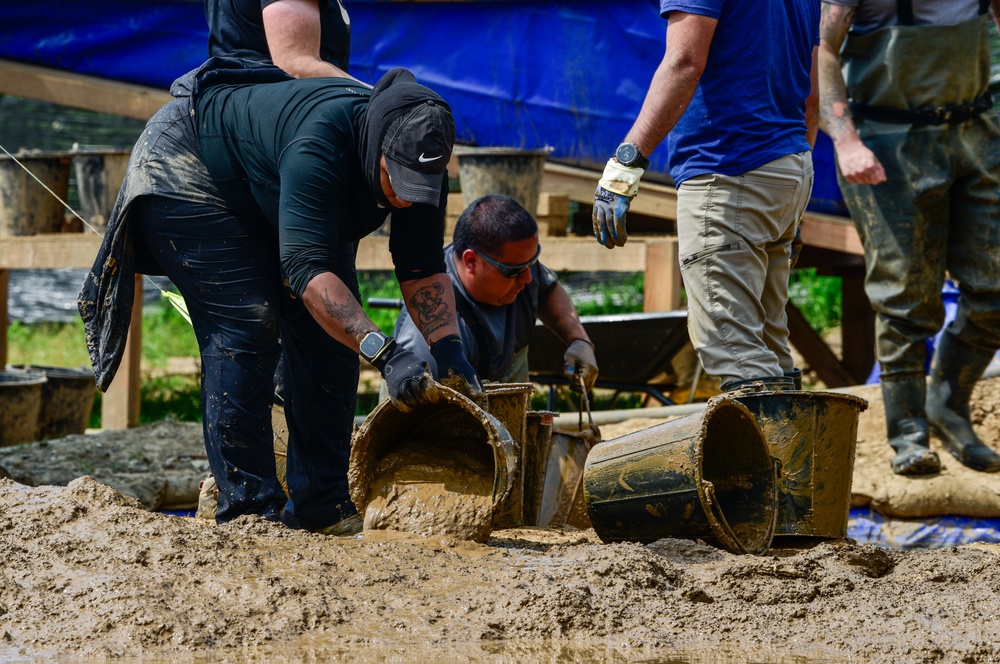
{"points": [[955, 114]]}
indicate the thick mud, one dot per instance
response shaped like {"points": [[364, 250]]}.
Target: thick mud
{"points": [[88, 573]]}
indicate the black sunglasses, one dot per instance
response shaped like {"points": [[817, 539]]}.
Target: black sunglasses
{"points": [[509, 271]]}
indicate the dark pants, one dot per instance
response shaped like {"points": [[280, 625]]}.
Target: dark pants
{"points": [[229, 274]]}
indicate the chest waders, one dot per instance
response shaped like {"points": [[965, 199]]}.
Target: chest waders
{"points": [[921, 102]]}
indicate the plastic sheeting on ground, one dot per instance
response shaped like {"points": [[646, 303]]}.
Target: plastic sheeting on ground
{"points": [[867, 526]]}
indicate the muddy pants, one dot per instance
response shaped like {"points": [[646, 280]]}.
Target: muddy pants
{"points": [[734, 239], [937, 213], [229, 274]]}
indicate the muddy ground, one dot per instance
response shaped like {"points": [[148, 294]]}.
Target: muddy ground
{"points": [[89, 573]]}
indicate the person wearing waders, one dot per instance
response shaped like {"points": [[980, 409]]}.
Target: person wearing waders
{"points": [[905, 99], [500, 288], [250, 40], [735, 97]]}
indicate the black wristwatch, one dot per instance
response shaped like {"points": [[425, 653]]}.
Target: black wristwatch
{"points": [[374, 345], [629, 155]]}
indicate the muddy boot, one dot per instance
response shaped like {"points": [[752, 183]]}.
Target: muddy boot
{"points": [[762, 384], [954, 372], [907, 426]]}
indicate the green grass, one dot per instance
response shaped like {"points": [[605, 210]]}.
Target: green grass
{"points": [[166, 334]]}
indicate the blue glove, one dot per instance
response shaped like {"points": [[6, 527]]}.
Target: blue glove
{"points": [[408, 379], [454, 368], [609, 217]]}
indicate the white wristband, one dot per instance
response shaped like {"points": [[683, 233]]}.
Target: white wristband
{"points": [[622, 180]]}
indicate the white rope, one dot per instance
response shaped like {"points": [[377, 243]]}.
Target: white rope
{"points": [[173, 298]]}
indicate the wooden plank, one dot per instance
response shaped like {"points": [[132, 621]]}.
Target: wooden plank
{"points": [[578, 184], [121, 404], [815, 351], [80, 91], [663, 276], [825, 231], [4, 283], [50, 250]]}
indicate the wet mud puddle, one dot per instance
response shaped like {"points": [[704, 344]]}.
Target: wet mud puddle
{"points": [[430, 489]]}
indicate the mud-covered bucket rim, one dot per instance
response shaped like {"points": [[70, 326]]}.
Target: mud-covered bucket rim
{"points": [[21, 378], [361, 472]]}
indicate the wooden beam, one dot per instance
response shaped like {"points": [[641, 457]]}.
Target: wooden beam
{"points": [[4, 282], [121, 403], [80, 91], [655, 200], [825, 231], [663, 275], [815, 351], [50, 250]]}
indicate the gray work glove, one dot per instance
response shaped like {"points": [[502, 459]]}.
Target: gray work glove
{"points": [[609, 217], [615, 191], [580, 365], [454, 368], [408, 379]]}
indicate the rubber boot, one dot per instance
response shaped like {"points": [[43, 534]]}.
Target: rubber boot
{"points": [[954, 371], [906, 423], [762, 384], [796, 376]]}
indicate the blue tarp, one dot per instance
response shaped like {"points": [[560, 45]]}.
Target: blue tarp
{"points": [[570, 74], [867, 526]]}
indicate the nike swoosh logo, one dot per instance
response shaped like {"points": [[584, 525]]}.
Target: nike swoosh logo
{"points": [[423, 160]]}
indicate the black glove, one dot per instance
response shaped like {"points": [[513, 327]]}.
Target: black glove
{"points": [[408, 379], [454, 368], [579, 363], [609, 217]]}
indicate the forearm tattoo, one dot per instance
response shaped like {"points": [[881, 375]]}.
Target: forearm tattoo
{"points": [[835, 111], [432, 311], [348, 314]]}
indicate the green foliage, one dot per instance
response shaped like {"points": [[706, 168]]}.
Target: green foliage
{"points": [[166, 334], [817, 297], [380, 284], [625, 296], [47, 344]]}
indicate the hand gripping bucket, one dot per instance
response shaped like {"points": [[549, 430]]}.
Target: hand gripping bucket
{"points": [[814, 434], [442, 431], [707, 475]]}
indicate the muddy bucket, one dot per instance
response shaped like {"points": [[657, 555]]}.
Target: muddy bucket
{"points": [[814, 434], [441, 469], [26, 208], [20, 404], [508, 402], [513, 172], [67, 400], [707, 475], [99, 175]]}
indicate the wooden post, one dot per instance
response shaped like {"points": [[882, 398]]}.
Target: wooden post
{"points": [[663, 275], [120, 408], [4, 281]]}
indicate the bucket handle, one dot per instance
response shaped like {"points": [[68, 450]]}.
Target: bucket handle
{"points": [[584, 400], [727, 535]]}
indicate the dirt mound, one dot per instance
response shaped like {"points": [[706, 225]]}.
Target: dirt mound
{"points": [[89, 571]]}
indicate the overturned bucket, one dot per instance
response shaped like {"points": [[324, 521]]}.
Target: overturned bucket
{"points": [[67, 400], [20, 404], [814, 434], [707, 475], [443, 468]]}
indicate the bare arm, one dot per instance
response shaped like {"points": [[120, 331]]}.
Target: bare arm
{"points": [[559, 315], [812, 101], [857, 163], [292, 28], [688, 39], [431, 304], [333, 306]]}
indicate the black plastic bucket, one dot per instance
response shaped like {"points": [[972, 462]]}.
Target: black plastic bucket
{"points": [[20, 404], [513, 172], [814, 434], [67, 400], [707, 475]]}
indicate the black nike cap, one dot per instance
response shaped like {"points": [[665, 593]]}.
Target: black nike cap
{"points": [[417, 148]]}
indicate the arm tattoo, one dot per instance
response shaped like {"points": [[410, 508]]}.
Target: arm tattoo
{"points": [[432, 311], [346, 313], [835, 110]]}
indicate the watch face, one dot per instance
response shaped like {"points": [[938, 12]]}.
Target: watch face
{"points": [[627, 154], [372, 344]]}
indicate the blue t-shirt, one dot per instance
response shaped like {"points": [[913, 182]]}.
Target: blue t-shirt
{"points": [[749, 107]]}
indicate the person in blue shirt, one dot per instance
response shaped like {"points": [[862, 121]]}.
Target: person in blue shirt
{"points": [[735, 97]]}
